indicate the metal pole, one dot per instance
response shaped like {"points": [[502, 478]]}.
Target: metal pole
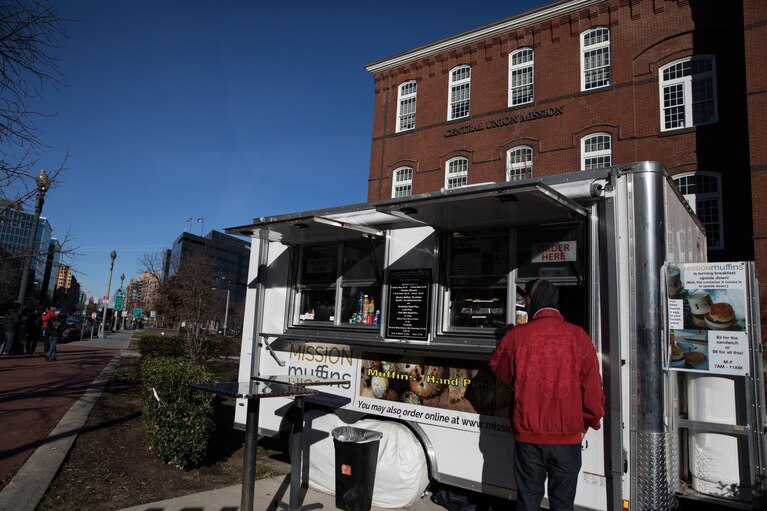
{"points": [[122, 293], [113, 255], [42, 186], [226, 311]]}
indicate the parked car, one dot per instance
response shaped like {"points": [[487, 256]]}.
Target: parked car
{"points": [[77, 328]]}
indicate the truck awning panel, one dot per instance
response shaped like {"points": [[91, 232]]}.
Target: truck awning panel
{"points": [[472, 207], [535, 204]]}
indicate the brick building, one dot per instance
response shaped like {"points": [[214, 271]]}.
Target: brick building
{"points": [[589, 83]]}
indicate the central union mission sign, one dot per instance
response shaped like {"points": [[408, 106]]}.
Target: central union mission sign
{"points": [[506, 121]]}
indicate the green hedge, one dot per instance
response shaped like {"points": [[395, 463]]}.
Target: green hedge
{"points": [[179, 424], [162, 346]]}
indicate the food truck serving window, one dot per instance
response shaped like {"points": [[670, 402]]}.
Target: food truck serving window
{"points": [[485, 267], [478, 276], [339, 283]]}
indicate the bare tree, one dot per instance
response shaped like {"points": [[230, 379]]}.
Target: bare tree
{"points": [[153, 263], [29, 33], [188, 297]]}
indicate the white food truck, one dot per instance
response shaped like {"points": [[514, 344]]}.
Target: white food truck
{"points": [[407, 298]]}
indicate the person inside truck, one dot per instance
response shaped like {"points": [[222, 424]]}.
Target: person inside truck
{"points": [[553, 369]]}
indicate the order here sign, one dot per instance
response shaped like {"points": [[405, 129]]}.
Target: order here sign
{"points": [[553, 252]]}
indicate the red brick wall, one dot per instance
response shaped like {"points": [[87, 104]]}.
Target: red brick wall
{"points": [[755, 37], [645, 35]]}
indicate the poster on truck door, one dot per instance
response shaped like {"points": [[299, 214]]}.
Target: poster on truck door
{"points": [[458, 394], [706, 314]]}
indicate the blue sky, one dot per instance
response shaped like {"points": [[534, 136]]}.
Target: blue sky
{"points": [[224, 111]]}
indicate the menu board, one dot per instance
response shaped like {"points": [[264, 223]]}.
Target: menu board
{"points": [[707, 314], [408, 305]]}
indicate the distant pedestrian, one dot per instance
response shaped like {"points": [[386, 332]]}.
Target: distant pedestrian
{"points": [[34, 327], [12, 322], [56, 327], [47, 316]]}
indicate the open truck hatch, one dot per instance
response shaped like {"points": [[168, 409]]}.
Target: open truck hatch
{"points": [[466, 208], [535, 204], [322, 226]]}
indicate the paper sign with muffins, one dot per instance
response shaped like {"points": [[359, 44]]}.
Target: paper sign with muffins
{"points": [[707, 317], [463, 395]]}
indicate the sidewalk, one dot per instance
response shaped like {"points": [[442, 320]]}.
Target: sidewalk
{"points": [[271, 494], [43, 407]]}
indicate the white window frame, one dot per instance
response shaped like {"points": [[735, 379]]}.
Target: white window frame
{"points": [[589, 52], [589, 159], [456, 171], [460, 79], [698, 198], [402, 182], [519, 163], [678, 102], [406, 96], [525, 70]]}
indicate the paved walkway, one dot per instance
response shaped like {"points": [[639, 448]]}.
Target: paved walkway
{"points": [[43, 406]]}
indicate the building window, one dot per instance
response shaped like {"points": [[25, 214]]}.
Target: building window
{"points": [[402, 184], [460, 93], [406, 106], [688, 93], [595, 58], [596, 151], [703, 192], [457, 173], [519, 163], [521, 66]]}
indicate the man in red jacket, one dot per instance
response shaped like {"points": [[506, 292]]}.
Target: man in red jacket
{"points": [[553, 368]]}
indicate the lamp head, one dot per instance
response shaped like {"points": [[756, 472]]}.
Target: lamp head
{"points": [[43, 182], [113, 255]]}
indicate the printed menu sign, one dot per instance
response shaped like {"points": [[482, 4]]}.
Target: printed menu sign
{"points": [[409, 296], [707, 317]]}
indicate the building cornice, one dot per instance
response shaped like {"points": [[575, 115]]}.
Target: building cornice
{"points": [[481, 33]]}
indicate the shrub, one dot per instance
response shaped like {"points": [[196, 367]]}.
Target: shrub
{"points": [[157, 346], [211, 347], [177, 419], [224, 346]]}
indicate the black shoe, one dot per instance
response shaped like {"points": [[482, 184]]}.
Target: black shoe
{"points": [[53, 358], [47, 357]]}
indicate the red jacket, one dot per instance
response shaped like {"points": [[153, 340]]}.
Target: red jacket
{"points": [[47, 316], [553, 368]]}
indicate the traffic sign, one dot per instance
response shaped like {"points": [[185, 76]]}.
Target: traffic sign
{"points": [[136, 313], [94, 315], [119, 302]]}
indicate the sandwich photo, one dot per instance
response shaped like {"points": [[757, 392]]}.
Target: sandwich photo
{"points": [[720, 315], [695, 357]]}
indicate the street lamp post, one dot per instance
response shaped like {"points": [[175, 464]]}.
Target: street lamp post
{"points": [[112, 256], [43, 183], [226, 311], [121, 324]]}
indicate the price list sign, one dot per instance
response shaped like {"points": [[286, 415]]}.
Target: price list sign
{"points": [[409, 299]]}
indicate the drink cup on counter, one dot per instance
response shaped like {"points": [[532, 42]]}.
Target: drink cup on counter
{"points": [[674, 281], [700, 303]]}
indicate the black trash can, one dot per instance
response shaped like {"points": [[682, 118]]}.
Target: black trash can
{"points": [[356, 459]]}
